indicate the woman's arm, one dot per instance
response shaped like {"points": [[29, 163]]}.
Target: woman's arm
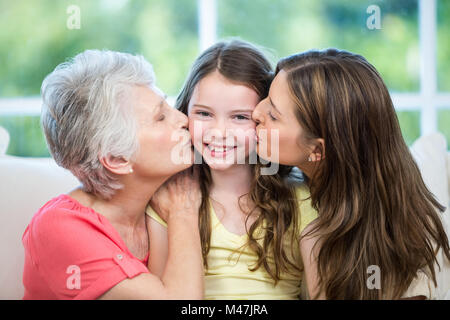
{"points": [[159, 246], [182, 275], [309, 251]]}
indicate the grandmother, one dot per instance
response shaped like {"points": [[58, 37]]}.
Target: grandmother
{"points": [[106, 121]]}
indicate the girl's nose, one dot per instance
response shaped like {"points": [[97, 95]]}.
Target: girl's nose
{"points": [[221, 127]]}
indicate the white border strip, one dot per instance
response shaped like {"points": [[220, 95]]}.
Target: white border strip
{"points": [[207, 23], [428, 66], [20, 106], [402, 102]]}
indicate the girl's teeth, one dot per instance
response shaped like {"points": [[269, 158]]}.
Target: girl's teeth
{"points": [[219, 149]]}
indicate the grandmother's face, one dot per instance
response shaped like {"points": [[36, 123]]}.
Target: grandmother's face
{"points": [[164, 142]]}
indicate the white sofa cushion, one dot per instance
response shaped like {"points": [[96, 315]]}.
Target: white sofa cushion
{"points": [[26, 185], [430, 153]]}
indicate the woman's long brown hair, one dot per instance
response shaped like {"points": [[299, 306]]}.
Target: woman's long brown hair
{"points": [[374, 208], [272, 198]]}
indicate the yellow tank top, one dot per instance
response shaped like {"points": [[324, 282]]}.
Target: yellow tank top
{"points": [[228, 276]]}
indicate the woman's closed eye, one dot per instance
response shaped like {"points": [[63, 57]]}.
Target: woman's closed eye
{"points": [[271, 116]]}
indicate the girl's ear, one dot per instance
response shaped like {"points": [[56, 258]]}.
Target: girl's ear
{"points": [[117, 165]]}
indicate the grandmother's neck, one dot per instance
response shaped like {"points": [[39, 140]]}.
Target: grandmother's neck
{"points": [[127, 206]]}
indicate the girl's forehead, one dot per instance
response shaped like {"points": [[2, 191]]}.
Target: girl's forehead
{"points": [[219, 94]]}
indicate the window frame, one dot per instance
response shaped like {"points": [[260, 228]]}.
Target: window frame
{"points": [[427, 100]]}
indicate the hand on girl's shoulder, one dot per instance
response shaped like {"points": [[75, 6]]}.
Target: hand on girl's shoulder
{"points": [[178, 196]]}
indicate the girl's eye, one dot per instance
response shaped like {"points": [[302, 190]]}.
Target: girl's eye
{"points": [[203, 113], [241, 117]]}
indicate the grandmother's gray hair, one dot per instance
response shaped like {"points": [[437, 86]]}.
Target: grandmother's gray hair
{"points": [[86, 114]]}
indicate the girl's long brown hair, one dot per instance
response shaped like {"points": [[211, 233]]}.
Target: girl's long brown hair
{"points": [[374, 208], [272, 198]]}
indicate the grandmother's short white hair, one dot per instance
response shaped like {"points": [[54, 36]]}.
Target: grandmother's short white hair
{"points": [[86, 114]]}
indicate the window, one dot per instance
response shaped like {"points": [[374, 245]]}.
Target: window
{"points": [[410, 48], [443, 46]]}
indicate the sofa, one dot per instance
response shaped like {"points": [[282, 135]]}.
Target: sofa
{"points": [[28, 183]]}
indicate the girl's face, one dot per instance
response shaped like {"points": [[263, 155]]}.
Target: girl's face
{"points": [[220, 121], [281, 139]]}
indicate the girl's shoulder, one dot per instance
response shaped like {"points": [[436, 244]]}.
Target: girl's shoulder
{"points": [[153, 214], [302, 192]]}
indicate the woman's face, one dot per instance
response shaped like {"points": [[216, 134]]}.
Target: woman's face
{"points": [[220, 121], [165, 144], [281, 139]]}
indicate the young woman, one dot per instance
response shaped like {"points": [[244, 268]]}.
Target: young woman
{"points": [[249, 223], [336, 122]]}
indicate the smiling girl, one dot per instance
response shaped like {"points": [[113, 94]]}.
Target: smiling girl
{"points": [[249, 223]]}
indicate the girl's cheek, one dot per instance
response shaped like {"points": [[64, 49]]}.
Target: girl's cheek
{"points": [[249, 135], [195, 129], [247, 139], [197, 137], [191, 125]]}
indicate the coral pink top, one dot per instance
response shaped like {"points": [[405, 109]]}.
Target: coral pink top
{"points": [[73, 252]]}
